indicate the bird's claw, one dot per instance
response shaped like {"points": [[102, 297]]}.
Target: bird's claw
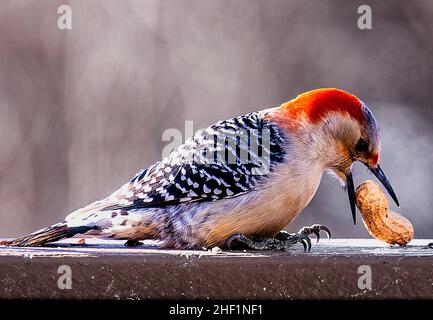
{"points": [[315, 229], [304, 240], [132, 243], [237, 237]]}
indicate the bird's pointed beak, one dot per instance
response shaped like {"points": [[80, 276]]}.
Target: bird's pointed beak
{"points": [[351, 192], [378, 172]]}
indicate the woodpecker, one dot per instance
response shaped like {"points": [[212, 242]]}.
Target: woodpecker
{"points": [[240, 181]]}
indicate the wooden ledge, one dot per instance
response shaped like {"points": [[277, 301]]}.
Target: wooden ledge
{"points": [[334, 269]]}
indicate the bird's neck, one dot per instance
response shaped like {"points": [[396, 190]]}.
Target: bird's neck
{"points": [[326, 142]]}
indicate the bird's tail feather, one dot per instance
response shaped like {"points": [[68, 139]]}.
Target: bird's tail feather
{"points": [[49, 234]]}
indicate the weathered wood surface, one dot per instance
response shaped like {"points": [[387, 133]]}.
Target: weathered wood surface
{"points": [[109, 270]]}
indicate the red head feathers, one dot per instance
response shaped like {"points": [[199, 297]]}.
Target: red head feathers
{"points": [[314, 105]]}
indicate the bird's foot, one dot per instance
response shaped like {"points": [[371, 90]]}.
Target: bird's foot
{"points": [[240, 241], [133, 243], [281, 242]]}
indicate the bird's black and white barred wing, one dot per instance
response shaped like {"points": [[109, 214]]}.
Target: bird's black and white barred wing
{"points": [[227, 159]]}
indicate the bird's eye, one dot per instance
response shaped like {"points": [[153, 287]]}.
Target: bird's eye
{"points": [[361, 146]]}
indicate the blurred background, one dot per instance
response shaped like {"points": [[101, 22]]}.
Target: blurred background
{"points": [[82, 110]]}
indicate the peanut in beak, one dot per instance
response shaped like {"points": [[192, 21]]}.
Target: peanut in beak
{"points": [[381, 222]]}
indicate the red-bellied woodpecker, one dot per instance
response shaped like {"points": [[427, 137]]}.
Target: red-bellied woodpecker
{"points": [[241, 179]]}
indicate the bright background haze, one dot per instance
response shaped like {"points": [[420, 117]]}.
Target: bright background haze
{"points": [[82, 110]]}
